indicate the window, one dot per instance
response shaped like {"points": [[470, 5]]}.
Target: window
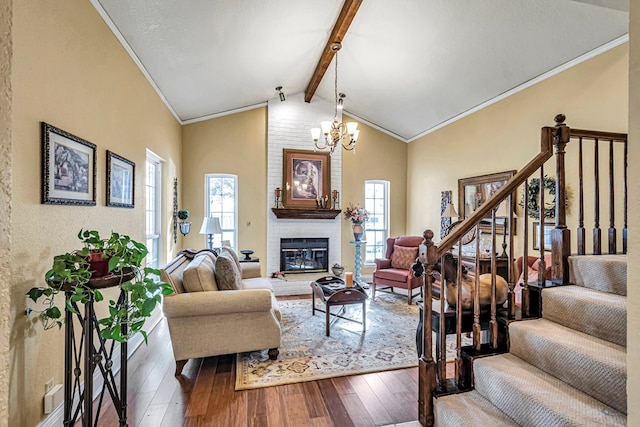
{"points": [[376, 202], [153, 175], [221, 201]]}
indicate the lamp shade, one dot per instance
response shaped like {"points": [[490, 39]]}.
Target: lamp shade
{"points": [[450, 211], [210, 225], [502, 211]]}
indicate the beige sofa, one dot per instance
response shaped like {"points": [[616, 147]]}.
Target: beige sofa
{"points": [[204, 321]]}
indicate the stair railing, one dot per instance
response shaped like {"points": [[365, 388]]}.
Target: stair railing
{"points": [[432, 373]]}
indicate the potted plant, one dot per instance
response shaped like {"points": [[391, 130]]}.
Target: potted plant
{"points": [[76, 272]]}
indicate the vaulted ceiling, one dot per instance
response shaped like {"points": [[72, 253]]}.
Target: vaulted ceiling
{"points": [[406, 66]]}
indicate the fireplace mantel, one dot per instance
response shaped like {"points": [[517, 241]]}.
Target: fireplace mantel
{"points": [[284, 213]]}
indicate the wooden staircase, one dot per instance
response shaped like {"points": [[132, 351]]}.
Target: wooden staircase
{"points": [[521, 387]]}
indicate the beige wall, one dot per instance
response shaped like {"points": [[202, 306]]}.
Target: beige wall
{"points": [[506, 135], [234, 144], [633, 308], [378, 156], [70, 71]]}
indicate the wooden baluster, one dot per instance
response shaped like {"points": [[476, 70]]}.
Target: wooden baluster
{"points": [[597, 233], [510, 273], [624, 195], [493, 323], [426, 365], [477, 329], [612, 209], [560, 235], [582, 235], [525, 305], [541, 263], [442, 336], [459, 320]]}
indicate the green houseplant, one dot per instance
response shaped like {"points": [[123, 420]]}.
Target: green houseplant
{"points": [[78, 272]]}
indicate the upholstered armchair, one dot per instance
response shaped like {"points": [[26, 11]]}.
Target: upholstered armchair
{"points": [[394, 271]]}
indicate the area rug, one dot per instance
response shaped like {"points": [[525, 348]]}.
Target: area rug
{"points": [[306, 354]]}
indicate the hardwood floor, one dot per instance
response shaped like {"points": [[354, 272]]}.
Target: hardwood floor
{"points": [[204, 395]]}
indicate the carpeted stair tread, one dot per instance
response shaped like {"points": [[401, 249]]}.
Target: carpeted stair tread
{"points": [[468, 409], [533, 398], [606, 273], [601, 314], [592, 365]]}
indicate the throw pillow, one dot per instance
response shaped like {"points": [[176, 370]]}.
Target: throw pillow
{"points": [[227, 273], [233, 254], [403, 257], [198, 276]]}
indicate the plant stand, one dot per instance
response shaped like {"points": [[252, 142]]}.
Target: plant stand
{"points": [[86, 350]]}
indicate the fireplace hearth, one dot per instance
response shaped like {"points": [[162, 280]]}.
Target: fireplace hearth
{"points": [[304, 255]]}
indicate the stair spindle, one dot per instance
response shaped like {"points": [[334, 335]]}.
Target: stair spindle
{"points": [[597, 233], [624, 195], [493, 323], [581, 233], [477, 330], [542, 265], [525, 250], [612, 210]]}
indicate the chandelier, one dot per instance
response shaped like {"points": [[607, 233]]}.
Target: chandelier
{"points": [[335, 133]]}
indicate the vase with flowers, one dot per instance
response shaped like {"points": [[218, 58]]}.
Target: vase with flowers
{"points": [[358, 216]]}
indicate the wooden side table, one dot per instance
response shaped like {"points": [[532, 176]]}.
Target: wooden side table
{"points": [[502, 265], [341, 297]]}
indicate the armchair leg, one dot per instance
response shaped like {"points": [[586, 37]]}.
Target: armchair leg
{"points": [[373, 289], [179, 366], [273, 353]]}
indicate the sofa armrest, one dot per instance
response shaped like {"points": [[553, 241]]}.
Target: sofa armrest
{"points": [[217, 302], [249, 270], [382, 263]]}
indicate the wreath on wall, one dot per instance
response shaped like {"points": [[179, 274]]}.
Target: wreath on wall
{"points": [[533, 193]]}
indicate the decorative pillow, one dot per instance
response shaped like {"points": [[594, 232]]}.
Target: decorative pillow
{"points": [[199, 275], [403, 257], [233, 254], [227, 273]]}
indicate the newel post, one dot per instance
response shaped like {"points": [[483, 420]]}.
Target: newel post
{"points": [[426, 365], [561, 235]]}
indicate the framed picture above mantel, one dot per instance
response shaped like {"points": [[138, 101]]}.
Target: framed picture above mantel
{"points": [[306, 178]]}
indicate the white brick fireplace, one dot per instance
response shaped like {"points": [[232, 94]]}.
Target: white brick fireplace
{"points": [[288, 125]]}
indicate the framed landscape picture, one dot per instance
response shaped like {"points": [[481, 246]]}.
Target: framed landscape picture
{"points": [[306, 176], [120, 181], [474, 191], [68, 168]]}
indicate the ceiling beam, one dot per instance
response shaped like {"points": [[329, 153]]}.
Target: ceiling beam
{"points": [[349, 9]]}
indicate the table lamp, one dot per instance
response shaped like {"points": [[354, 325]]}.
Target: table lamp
{"points": [[449, 212], [210, 226]]}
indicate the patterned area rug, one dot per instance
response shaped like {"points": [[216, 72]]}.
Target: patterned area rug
{"points": [[306, 354]]}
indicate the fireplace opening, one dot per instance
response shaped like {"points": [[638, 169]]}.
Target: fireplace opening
{"points": [[304, 255]]}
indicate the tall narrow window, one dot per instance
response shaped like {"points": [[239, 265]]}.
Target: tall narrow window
{"points": [[376, 202], [153, 176], [221, 201]]}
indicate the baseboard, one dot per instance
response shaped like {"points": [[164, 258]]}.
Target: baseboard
{"points": [[56, 418]]}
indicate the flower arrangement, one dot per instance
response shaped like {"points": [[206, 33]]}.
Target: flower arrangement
{"points": [[356, 214]]}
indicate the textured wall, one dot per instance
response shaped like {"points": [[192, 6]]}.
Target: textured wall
{"points": [[6, 51], [69, 70]]}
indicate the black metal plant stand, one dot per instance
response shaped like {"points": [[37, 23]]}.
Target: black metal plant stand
{"points": [[86, 350]]}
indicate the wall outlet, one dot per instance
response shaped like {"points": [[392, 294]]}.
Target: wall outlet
{"points": [[48, 385], [53, 398]]}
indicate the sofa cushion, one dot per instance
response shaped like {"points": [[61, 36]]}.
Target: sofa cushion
{"points": [[199, 276], [402, 256], [227, 273], [257, 283], [394, 274]]}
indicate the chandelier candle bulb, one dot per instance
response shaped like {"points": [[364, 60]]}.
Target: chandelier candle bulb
{"points": [[348, 279]]}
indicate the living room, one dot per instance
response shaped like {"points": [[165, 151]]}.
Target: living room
{"points": [[68, 69]]}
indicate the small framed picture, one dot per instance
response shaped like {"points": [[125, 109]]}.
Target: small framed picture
{"points": [[120, 181], [547, 235], [68, 168]]}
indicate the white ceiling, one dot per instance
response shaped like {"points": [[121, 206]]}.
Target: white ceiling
{"points": [[406, 66]]}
